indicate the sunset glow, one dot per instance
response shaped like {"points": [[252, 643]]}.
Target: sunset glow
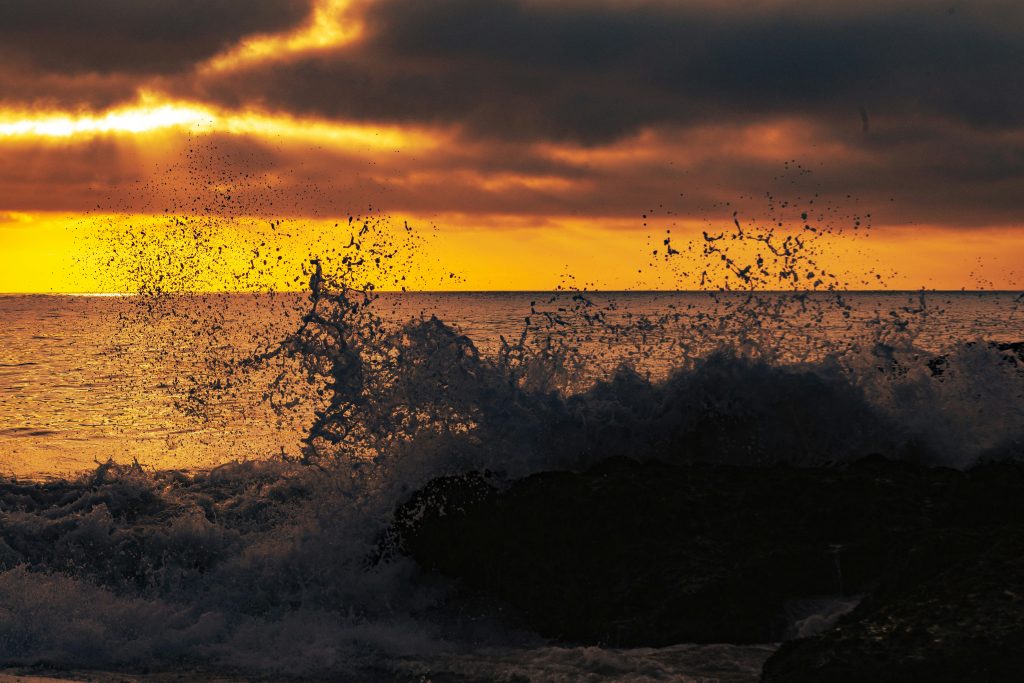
{"points": [[197, 119], [511, 340], [342, 110], [329, 26], [124, 120]]}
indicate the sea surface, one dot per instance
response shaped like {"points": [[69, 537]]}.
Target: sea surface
{"points": [[202, 552], [84, 379]]}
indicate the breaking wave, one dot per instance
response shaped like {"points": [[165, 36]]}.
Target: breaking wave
{"points": [[276, 566]]}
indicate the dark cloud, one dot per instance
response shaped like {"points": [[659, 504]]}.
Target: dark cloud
{"points": [[902, 178], [64, 175], [132, 36], [888, 101], [26, 88], [593, 72]]}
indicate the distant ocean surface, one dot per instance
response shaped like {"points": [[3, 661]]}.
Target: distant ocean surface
{"points": [[276, 568], [87, 378]]}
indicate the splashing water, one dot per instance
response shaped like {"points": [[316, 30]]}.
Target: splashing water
{"points": [[274, 566], [749, 376]]}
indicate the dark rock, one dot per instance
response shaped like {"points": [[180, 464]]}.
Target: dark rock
{"points": [[954, 612], [634, 553]]}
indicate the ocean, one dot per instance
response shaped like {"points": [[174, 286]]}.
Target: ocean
{"points": [[200, 484], [84, 379]]}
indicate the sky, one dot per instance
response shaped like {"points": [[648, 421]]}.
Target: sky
{"points": [[533, 143]]}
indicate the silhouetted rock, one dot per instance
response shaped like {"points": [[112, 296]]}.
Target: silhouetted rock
{"points": [[953, 610], [634, 553]]}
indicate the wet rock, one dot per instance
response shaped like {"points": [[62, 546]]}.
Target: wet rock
{"points": [[954, 612], [632, 553]]}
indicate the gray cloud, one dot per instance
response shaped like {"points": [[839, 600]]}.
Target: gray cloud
{"points": [[593, 72], [132, 36], [942, 92], [905, 176]]}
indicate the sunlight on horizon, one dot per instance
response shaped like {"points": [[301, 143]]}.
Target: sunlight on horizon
{"points": [[153, 114]]}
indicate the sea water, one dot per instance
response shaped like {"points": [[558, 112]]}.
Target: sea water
{"points": [[201, 527], [84, 379]]}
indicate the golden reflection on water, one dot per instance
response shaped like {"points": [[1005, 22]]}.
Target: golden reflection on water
{"points": [[85, 378]]}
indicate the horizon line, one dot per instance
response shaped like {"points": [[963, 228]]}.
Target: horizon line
{"points": [[538, 291]]}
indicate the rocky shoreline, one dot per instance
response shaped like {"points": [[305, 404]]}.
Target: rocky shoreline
{"points": [[929, 560]]}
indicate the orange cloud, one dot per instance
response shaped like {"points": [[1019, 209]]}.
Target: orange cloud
{"points": [[619, 121], [331, 25]]}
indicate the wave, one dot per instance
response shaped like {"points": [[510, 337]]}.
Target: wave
{"points": [[275, 566], [423, 395]]}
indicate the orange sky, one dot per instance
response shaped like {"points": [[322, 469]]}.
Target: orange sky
{"points": [[523, 148]]}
